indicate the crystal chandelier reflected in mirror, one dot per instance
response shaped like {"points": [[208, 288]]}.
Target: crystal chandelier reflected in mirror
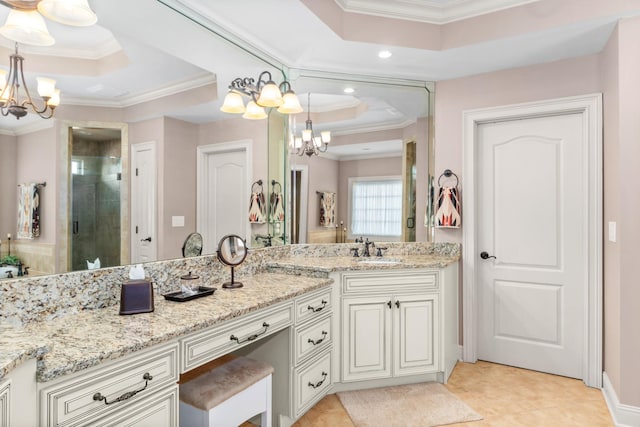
{"points": [[264, 93], [309, 143], [10, 88]]}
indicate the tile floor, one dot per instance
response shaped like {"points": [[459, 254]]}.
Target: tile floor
{"points": [[504, 396]]}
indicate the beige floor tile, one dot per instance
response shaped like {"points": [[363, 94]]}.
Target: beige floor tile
{"points": [[505, 396]]}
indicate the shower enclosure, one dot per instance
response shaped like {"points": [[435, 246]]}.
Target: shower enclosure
{"points": [[96, 179]]}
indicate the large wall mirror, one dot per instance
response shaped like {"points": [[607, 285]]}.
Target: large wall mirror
{"points": [[132, 84]]}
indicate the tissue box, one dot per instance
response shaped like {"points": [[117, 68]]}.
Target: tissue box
{"points": [[136, 296]]}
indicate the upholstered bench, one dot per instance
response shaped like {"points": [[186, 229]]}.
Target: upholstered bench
{"points": [[228, 395]]}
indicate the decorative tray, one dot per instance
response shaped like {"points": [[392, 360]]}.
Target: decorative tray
{"points": [[180, 296]]}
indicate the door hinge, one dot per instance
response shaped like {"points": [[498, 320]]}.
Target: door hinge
{"points": [[136, 171], [136, 229]]}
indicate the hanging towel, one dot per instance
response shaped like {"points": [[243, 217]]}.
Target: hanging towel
{"points": [[29, 211], [257, 208], [327, 209], [276, 208], [448, 208]]}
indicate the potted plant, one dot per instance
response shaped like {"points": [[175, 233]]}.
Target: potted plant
{"points": [[9, 260]]}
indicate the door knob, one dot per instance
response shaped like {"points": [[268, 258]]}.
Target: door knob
{"points": [[485, 255], [148, 239]]}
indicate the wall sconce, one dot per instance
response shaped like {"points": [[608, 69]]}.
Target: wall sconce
{"points": [[309, 143], [264, 93]]}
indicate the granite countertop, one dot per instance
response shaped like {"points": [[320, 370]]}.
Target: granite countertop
{"points": [[74, 342], [342, 263]]}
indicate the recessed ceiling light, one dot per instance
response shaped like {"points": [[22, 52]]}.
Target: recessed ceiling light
{"points": [[349, 90], [384, 54]]}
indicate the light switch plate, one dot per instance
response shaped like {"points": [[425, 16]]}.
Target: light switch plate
{"points": [[177, 221], [612, 231]]}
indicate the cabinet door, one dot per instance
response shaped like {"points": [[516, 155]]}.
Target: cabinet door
{"points": [[415, 334], [366, 338]]}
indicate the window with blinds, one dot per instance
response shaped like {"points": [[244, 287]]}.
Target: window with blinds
{"points": [[376, 206]]}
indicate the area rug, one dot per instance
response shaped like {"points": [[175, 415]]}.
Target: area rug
{"points": [[413, 405]]}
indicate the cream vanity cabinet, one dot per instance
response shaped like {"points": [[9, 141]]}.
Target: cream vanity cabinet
{"points": [[312, 344], [18, 406], [398, 323], [136, 390]]}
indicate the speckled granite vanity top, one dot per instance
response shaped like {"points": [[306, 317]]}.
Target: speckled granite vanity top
{"points": [[77, 341], [71, 320], [330, 264]]}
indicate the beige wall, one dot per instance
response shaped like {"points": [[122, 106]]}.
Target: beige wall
{"points": [[554, 80], [628, 215], [614, 73], [8, 210]]}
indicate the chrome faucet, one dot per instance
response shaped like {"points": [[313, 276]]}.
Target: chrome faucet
{"points": [[367, 243]]}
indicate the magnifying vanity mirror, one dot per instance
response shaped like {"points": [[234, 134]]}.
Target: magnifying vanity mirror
{"points": [[232, 251], [192, 245]]}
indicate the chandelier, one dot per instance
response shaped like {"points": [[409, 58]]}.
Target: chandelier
{"points": [[309, 143], [10, 85], [25, 24], [264, 93]]}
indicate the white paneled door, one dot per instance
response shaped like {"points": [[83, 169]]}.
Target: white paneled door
{"points": [[144, 238], [224, 185], [532, 220]]}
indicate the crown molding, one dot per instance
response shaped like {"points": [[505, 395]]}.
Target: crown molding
{"points": [[31, 127], [374, 128], [94, 53], [428, 11], [172, 89]]}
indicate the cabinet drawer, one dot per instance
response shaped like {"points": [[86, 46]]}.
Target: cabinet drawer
{"points": [[70, 402], [390, 282], [207, 345], [311, 382], [157, 410], [313, 306], [312, 338]]}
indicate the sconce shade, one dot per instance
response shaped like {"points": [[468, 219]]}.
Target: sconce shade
{"points": [[27, 27], [290, 104], [270, 95], [233, 103], [254, 112], [68, 12], [307, 135]]}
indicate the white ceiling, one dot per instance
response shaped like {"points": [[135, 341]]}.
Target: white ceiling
{"points": [[167, 46]]}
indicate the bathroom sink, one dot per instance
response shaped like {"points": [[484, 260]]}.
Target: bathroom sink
{"points": [[382, 261]]}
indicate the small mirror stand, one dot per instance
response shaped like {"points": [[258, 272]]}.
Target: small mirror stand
{"points": [[232, 251], [192, 245]]}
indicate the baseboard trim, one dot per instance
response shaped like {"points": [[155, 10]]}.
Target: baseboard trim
{"points": [[623, 415]]}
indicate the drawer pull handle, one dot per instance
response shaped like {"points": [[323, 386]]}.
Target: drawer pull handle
{"points": [[324, 335], [128, 395], [251, 337], [319, 383], [315, 310]]}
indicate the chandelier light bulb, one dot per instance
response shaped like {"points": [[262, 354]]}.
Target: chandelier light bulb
{"points": [[69, 12], [325, 136], [306, 135], [27, 27], [54, 101], [46, 87]]}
